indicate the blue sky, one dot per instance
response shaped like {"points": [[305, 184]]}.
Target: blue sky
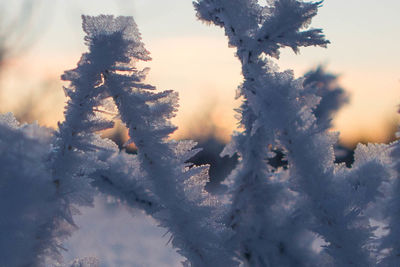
{"points": [[193, 58]]}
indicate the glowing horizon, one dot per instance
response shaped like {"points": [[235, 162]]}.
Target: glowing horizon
{"points": [[206, 100]]}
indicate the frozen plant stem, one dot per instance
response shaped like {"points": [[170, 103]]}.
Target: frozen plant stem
{"points": [[278, 113], [178, 199]]}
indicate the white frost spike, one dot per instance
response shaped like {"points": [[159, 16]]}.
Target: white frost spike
{"points": [[119, 34]]}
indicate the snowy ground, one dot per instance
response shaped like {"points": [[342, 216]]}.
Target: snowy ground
{"points": [[120, 237]]}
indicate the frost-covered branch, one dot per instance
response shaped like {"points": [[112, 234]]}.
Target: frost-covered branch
{"points": [[174, 193], [258, 193], [77, 149], [278, 112], [125, 181]]}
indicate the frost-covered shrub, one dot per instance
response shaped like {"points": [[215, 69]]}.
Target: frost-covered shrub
{"points": [[26, 192], [270, 216]]}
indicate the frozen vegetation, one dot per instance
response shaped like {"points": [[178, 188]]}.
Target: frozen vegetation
{"points": [[309, 211]]}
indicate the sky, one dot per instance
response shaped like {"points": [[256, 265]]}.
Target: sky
{"points": [[193, 58]]}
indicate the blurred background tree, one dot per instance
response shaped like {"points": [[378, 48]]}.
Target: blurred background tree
{"points": [[17, 28]]}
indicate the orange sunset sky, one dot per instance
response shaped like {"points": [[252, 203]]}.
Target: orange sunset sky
{"points": [[194, 59]]}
